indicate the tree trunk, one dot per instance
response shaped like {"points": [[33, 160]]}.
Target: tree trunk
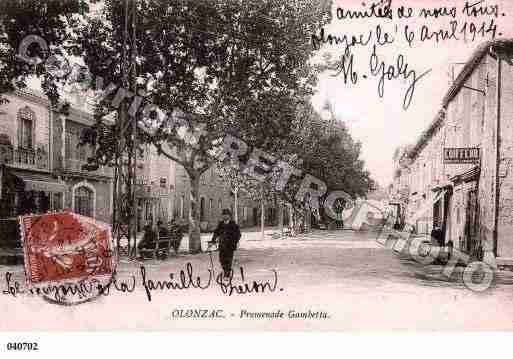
{"points": [[154, 214], [236, 205], [280, 217], [1, 179], [194, 220], [298, 220], [291, 217], [308, 219], [262, 215]]}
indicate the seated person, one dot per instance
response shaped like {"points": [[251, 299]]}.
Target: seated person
{"points": [[175, 230], [149, 237], [163, 230], [437, 236], [171, 225]]}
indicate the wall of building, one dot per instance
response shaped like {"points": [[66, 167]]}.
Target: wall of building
{"points": [[470, 121], [505, 218], [102, 190], [211, 188], [57, 141], [214, 190], [488, 153], [424, 172], [154, 170], [157, 173], [464, 127], [99, 181], [9, 119]]}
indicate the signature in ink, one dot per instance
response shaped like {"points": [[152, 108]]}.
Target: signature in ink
{"points": [[188, 279], [230, 288], [390, 72], [185, 279], [344, 66]]}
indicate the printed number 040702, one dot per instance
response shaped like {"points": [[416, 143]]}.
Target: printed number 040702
{"points": [[22, 346]]}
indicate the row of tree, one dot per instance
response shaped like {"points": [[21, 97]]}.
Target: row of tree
{"points": [[317, 146], [234, 66]]}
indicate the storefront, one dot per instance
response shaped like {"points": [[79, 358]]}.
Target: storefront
{"points": [[464, 206], [441, 210], [24, 192]]}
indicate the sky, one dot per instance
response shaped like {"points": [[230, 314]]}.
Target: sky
{"points": [[382, 124]]}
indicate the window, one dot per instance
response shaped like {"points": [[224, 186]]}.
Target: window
{"points": [[220, 203], [210, 206], [148, 215], [182, 203], [57, 201], [26, 121], [42, 202], [73, 150], [437, 213], [26, 133], [202, 209], [84, 198]]}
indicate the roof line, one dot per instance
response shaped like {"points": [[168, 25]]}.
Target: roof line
{"points": [[475, 59]]}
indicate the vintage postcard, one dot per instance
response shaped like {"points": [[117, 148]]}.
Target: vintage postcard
{"points": [[268, 165]]}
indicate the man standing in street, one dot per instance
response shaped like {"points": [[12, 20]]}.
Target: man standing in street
{"points": [[228, 233], [437, 235]]}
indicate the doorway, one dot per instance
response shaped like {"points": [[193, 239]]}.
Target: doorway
{"points": [[445, 215], [471, 223]]}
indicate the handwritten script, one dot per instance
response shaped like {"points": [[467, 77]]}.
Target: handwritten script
{"points": [[185, 279], [472, 21]]}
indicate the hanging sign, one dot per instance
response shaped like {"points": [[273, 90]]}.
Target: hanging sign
{"points": [[455, 155]]}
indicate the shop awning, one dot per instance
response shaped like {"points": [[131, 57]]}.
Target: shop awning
{"points": [[426, 207], [469, 175], [40, 182], [7, 179], [442, 186]]}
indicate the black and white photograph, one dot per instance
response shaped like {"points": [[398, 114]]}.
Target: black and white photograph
{"points": [[267, 165]]}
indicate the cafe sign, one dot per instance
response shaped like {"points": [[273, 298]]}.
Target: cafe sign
{"points": [[455, 155]]}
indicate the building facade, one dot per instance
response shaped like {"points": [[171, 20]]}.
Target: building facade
{"points": [[458, 174], [42, 162], [28, 182], [156, 184], [42, 170], [215, 195], [164, 193], [87, 192]]}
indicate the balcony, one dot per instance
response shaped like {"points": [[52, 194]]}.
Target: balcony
{"points": [[24, 158], [75, 165]]}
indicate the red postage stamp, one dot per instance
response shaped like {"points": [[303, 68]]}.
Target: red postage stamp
{"points": [[65, 246]]}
